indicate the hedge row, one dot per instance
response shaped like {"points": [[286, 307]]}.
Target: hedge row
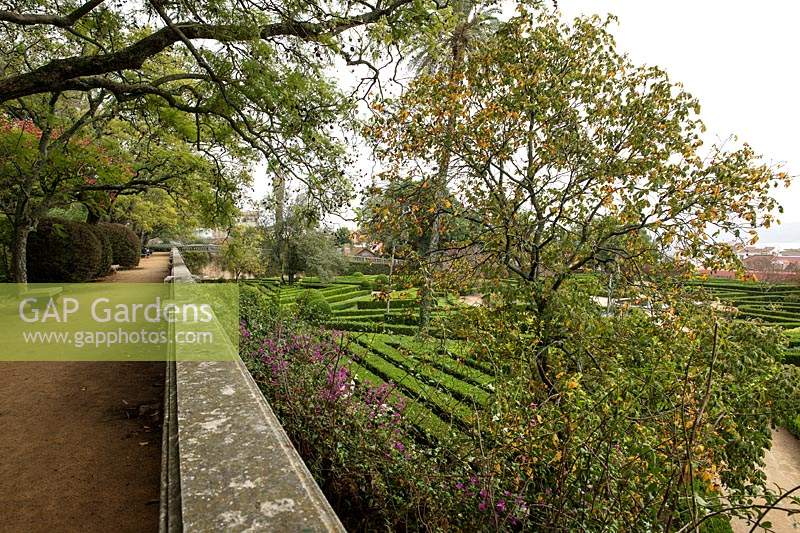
{"points": [[465, 368], [124, 244], [425, 372], [366, 268], [377, 315], [394, 304], [75, 252], [371, 327], [442, 404], [424, 420]]}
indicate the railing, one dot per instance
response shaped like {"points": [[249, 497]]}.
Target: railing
{"points": [[211, 248], [372, 260], [227, 463]]}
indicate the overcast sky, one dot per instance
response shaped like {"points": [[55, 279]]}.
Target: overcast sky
{"points": [[738, 57]]}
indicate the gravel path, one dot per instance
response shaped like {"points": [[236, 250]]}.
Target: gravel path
{"points": [[783, 471], [80, 442]]}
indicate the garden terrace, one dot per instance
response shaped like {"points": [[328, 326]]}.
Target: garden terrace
{"points": [[80, 440], [441, 386]]}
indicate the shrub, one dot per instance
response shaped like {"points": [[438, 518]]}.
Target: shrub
{"points": [[346, 296], [106, 251], [382, 282], [196, 260], [357, 274], [355, 434], [395, 304], [258, 310], [124, 244], [63, 251], [312, 307], [366, 268], [366, 285], [373, 327]]}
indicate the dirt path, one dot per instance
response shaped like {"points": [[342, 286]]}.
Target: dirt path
{"points": [[80, 446], [151, 269], [783, 471]]}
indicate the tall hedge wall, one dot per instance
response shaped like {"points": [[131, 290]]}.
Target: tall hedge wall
{"points": [[63, 251], [106, 251], [125, 245]]}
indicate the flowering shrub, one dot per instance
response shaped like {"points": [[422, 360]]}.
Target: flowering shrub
{"points": [[357, 440], [349, 433]]}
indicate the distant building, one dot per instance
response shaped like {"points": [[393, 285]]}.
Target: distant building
{"points": [[249, 218], [353, 250], [788, 263], [743, 252], [771, 277], [761, 263]]}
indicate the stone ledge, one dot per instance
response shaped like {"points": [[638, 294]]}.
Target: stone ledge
{"points": [[229, 461]]}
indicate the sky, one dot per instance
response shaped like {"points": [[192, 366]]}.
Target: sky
{"points": [[738, 57]]}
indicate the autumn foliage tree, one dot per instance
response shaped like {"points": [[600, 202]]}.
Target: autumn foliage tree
{"points": [[562, 146], [44, 168], [565, 156]]}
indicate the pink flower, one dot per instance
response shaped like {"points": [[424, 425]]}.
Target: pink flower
{"points": [[337, 383]]}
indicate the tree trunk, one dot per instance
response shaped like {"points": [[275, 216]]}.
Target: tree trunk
{"points": [[19, 253], [431, 244], [279, 192]]}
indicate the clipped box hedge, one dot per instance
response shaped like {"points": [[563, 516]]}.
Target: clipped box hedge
{"points": [[371, 327], [347, 296], [63, 251], [394, 304], [106, 251], [125, 245], [74, 252]]}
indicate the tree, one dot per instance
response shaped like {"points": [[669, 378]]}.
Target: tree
{"points": [[564, 147], [241, 252], [253, 65], [233, 74], [401, 214], [567, 156], [342, 236], [305, 246], [443, 53], [77, 148], [42, 168]]}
